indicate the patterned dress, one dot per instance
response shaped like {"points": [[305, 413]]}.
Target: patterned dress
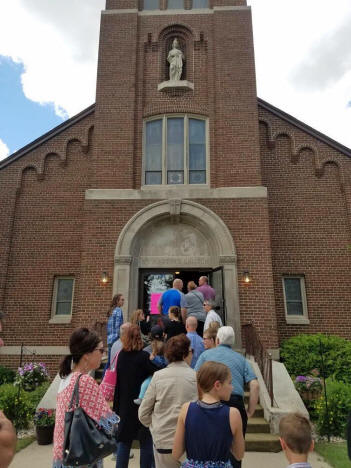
{"points": [[93, 403]]}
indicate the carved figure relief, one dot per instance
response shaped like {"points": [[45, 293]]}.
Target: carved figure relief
{"points": [[175, 59]]}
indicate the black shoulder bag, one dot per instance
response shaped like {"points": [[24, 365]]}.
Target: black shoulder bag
{"points": [[85, 441]]}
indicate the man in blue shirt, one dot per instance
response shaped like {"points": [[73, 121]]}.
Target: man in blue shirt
{"points": [[172, 297], [197, 344], [241, 372]]}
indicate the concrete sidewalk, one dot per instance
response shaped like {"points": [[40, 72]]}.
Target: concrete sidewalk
{"points": [[40, 456]]}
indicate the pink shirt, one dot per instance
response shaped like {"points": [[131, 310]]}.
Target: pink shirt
{"points": [[207, 291]]}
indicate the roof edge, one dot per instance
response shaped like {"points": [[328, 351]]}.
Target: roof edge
{"points": [[306, 128], [47, 136]]}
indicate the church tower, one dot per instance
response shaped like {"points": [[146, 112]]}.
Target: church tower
{"points": [[217, 83], [176, 125]]}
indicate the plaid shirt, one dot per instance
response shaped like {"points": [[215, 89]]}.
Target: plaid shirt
{"points": [[113, 325]]}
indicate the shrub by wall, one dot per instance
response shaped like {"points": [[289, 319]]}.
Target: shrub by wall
{"points": [[301, 354], [339, 404]]}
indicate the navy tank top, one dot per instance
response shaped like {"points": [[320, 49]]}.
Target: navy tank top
{"points": [[208, 436]]}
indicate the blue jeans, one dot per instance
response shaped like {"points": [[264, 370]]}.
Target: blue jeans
{"points": [[144, 387], [146, 454]]}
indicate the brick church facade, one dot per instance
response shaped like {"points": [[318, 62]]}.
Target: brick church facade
{"points": [[164, 177]]}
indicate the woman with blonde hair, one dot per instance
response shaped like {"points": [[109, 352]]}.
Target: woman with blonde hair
{"points": [[138, 318]]}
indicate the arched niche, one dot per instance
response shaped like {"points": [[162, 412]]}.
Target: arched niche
{"points": [[176, 234]]}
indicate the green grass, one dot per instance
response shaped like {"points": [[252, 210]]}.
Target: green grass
{"points": [[23, 443], [334, 453]]}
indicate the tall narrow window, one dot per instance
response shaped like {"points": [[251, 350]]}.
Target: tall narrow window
{"points": [[63, 296], [295, 299], [197, 151], [153, 153], [200, 3], [151, 4], [175, 4], [175, 150]]}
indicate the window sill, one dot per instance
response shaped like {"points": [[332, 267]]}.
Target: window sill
{"points": [[61, 319], [297, 320]]}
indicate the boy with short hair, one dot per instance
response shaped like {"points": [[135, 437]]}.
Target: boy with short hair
{"points": [[296, 439]]}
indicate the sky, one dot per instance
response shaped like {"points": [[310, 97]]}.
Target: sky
{"points": [[49, 48]]}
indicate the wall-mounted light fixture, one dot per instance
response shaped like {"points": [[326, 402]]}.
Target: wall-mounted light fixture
{"points": [[104, 278], [177, 272], [246, 277]]}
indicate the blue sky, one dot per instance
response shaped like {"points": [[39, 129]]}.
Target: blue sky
{"points": [[49, 49], [21, 120]]}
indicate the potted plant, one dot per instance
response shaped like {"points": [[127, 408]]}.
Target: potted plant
{"points": [[44, 421], [31, 375], [309, 386]]}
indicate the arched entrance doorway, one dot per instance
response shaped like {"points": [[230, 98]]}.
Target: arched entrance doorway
{"points": [[177, 235]]}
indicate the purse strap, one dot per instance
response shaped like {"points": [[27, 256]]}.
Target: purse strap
{"points": [[75, 394]]}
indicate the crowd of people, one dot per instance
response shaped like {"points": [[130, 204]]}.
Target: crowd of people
{"points": [[179, 388]]}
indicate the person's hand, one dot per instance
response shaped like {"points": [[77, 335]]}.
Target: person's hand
{"points": [[152, 357], [148, 318], [7, 441]]}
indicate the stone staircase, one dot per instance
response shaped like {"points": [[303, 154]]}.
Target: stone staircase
{"points": [[258, 437]]}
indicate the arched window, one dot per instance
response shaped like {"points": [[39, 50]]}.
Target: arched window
{"points": [[175, 150]]}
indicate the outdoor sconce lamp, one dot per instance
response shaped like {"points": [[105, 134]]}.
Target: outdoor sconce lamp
{"points": [[246, 277], [104, 279]]}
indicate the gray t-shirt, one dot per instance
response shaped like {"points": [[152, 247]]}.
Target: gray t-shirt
{"points": [[194, 302]]}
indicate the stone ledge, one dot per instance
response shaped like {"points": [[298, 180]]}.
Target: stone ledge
{"points": [[297, 320], [171, 85], [60, 319]]}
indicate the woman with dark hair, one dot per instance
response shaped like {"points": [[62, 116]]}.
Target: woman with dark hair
{"points": [[133, 366], [86, 350], [169, 389], [115, 320]]}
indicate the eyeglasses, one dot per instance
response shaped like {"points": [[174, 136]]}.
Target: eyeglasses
{"points": [[100, 349]]}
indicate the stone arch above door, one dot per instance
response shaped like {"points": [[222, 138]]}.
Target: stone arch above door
{"points": [[191, 235]]}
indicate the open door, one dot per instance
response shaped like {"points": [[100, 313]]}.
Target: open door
{"points": [[217, 282]]}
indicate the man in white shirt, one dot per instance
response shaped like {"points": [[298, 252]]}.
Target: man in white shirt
{"points": [[211, 315]]}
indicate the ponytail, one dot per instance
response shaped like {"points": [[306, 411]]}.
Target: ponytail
{"points": [[65, 366]]}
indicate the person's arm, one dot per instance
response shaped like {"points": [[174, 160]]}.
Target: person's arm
{"points": [[199, 362], [183, 307], [147, 405], [179, 438], [7, 441], [236, 425], [253, 399]]}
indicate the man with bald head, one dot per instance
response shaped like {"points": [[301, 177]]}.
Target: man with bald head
{"points": [[196, 342], [207, 291], [172, 297]]}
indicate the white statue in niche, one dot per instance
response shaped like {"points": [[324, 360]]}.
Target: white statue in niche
{"points": [[175, 59]]}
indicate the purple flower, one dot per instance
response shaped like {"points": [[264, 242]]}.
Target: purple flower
{"points": [[301, 378]]}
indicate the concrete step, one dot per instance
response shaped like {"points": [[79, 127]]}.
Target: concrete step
{"points": [[257, 425], [262, 443], [259, 413]]}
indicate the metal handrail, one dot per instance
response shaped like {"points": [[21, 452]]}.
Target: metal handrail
{"points": [[101, 329], [263, 358]]}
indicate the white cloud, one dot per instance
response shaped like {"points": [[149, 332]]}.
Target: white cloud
{"points": [[301, 48], [57, 43], [294, 46], [4, 150]]}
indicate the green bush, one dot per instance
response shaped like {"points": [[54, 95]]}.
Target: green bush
{"points": [[339, 405], [20, 411], [301, 354], [17, 408], [37, 394], [6, 375]]}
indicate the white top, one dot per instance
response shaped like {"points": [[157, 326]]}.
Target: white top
{"points": [[212, 316]]}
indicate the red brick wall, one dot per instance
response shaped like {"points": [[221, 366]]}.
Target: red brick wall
{"points": [[310, 226], [219, 62], [46, 237]]}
